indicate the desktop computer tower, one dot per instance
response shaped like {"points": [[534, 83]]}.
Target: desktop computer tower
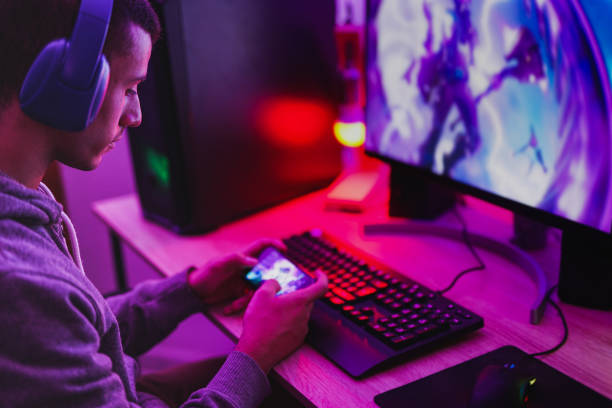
{"points": [[238, 109]]}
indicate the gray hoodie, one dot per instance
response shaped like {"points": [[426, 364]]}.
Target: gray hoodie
{"points": [[63, 345]]}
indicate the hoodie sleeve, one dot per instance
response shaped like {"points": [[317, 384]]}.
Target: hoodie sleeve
{"points": [[239, 383], [150, 311], [51, 357]]}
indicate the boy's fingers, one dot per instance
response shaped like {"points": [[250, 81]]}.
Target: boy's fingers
{"points": [[269, 287], [258, 246], [248, 260], [240, 261], [316, 290], [238, 304]]}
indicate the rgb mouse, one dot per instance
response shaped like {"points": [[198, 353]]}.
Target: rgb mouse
{"points": [[502, 386]]}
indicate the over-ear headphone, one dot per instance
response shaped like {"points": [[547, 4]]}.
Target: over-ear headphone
{"points": [[65, 85]]}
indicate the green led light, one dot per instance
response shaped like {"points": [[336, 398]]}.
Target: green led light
{"points": [[532, 381], [159, 167]]}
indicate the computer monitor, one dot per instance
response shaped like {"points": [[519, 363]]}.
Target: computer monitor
{"points": [[507, 100]]}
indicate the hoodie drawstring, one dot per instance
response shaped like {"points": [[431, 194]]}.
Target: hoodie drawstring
{"points": [[74, 242]]}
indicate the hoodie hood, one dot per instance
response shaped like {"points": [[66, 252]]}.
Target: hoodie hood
{"points": [[32, 207]]}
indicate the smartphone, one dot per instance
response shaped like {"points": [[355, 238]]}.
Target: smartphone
{"points": [[273, 265]]}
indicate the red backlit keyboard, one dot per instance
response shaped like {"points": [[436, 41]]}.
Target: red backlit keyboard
{"points": [[372, 315]]}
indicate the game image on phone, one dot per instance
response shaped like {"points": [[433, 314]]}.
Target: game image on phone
{"points": [[273, 265]]}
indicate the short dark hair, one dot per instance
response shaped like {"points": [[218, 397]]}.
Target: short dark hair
{"points": [[28, 25]]}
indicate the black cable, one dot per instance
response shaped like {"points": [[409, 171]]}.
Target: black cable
{"points": [[466, 238], [565, 328], [481, 265]]}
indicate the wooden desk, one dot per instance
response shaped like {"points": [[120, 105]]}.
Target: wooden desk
{"points": [[501, 294]]}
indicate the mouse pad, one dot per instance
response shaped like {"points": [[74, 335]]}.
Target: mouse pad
{"points": [[452, 388]]}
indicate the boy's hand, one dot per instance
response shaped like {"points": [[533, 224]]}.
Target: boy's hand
{"points": [[274, 326], [221, 279]]}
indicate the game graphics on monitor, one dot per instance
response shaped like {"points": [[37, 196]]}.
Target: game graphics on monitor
{"points": [[509, 96]]}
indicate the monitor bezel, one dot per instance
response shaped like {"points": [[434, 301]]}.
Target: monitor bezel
{"points": [[537, 214]]}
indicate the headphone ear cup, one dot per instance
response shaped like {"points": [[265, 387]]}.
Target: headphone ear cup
{"points": [[48, 99], [40, 73]]}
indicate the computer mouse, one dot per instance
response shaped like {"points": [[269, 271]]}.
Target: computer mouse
{"points": [[502, 386]]}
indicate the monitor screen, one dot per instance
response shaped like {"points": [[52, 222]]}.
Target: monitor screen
{"points": [[509, 97]]}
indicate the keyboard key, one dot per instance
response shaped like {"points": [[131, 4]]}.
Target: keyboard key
{"points": [[376, 328], [367, 310], [380, 284], [388, 335], [365, 291], [402, 341], [426, 331], [363, 319], [343, 294]]}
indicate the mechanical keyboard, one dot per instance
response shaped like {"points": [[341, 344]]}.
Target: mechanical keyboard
{"points": [[372, 316]]}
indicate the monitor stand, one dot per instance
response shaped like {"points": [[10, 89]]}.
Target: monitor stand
{"points": [[416, 196], [529, 234], [585, 276]]}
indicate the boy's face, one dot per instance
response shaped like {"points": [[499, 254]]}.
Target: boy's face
{"points": [[120, 108]]}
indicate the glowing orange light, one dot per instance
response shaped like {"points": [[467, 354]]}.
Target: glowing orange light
{"points": [[294, 122], [351, 134]]}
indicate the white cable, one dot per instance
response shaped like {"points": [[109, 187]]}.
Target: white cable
{"points": [[74, 242]]}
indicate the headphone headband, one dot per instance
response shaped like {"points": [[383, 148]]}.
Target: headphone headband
{"points": [[86, 42]]}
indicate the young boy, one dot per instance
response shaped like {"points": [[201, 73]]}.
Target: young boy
{"points": [[63, 344]]}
